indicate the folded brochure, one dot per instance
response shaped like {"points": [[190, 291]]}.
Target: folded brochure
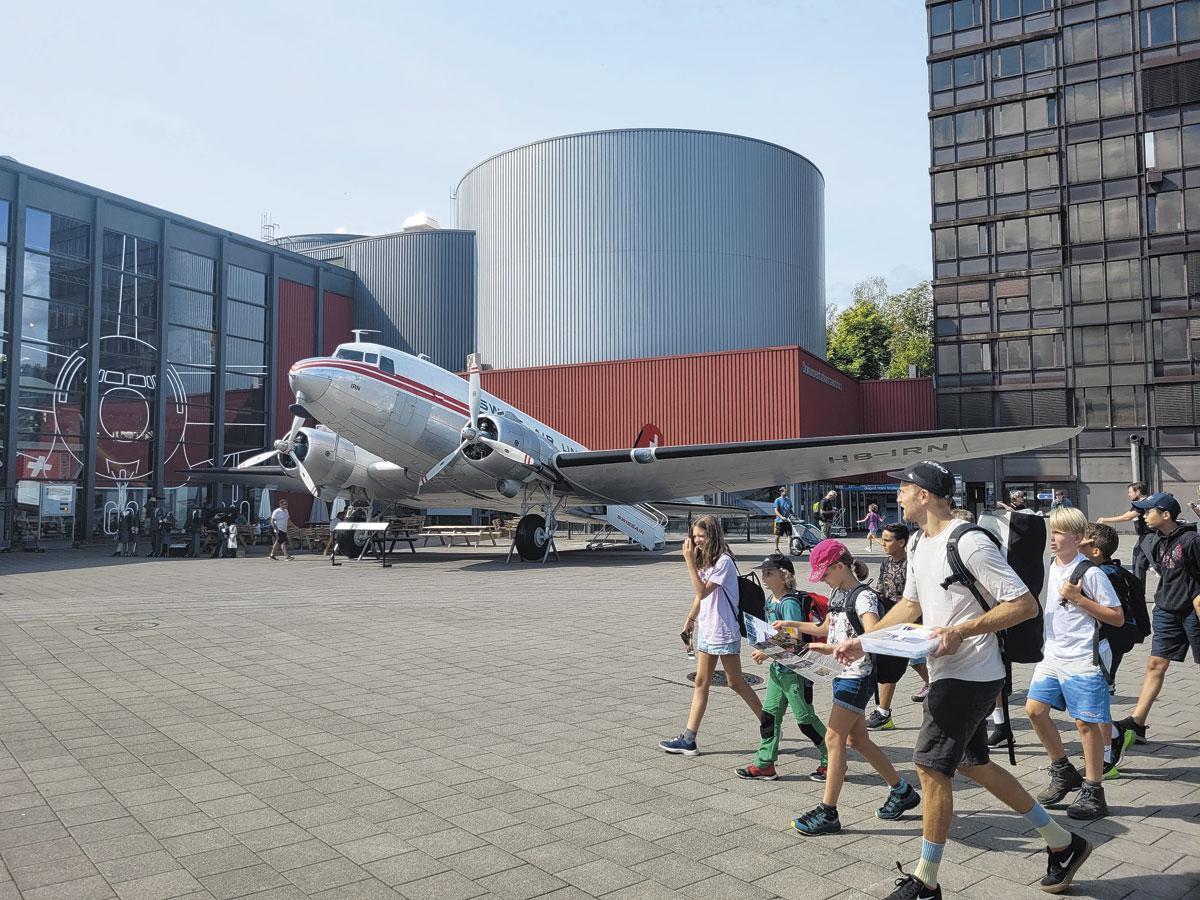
{"points": [[912, 641], [790, 652]]}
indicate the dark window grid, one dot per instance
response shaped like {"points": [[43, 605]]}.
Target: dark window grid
{"points": [[57, 235], [131, 254], [191, 270]]}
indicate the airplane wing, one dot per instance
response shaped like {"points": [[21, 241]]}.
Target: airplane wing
{"points": [[643, 473], [274, 477], [681, 508]]}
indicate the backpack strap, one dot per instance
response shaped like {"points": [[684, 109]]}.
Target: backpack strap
{"points": [[959, 573], [1076, 577], [851, 611]]}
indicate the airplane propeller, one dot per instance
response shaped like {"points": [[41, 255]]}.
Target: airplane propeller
{"points": [[286, 446], [474, 435]]}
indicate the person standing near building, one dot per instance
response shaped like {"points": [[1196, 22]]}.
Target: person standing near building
{"points": [[1016, 503], [1176, 615], [1140, 562], [828, 512], [279, 524], [893, 572], [125, 529], [1060, 501], [966, 673], [783, 517]]}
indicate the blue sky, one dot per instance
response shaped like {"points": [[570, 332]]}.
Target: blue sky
{"points": [[355, 115]]}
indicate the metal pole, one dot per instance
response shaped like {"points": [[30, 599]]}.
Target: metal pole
{"points": [[1135, 457]]}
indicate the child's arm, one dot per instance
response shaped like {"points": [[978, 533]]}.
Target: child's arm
{"points": [[1109, 615], [811, 628]]}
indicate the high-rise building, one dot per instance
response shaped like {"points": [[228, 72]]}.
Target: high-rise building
{"points": [[1065, 169]]}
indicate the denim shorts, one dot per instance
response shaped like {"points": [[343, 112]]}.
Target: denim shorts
{"points": [[733, 647], [913, 663], [853, 693], [1079, 687], [1174, 633]]}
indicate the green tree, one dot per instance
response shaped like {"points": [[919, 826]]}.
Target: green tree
{"points": [[857, 341], [910, 342]]}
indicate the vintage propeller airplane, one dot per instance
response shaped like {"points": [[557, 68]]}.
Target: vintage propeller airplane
{"points": [[398, 427]]}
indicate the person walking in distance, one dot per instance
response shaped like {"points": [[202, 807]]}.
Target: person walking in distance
{"points": [[783, 517], [714, 581], [966, 672], [279, 523], [1140, 562], [828, 512], [1176, 616], [1071, 675], [890, 587], [873, 520], [1016, 503]]}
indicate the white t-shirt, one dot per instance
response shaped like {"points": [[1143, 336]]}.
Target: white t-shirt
{"points": [[1069, 630], [718, 621], [841, 628], [978, 659], [279, 519]]}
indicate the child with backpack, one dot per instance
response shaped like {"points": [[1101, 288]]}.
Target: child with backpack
{"points": [[715, 615], [1100, 542], [785, 688], [1071, 675], [853, 608]]}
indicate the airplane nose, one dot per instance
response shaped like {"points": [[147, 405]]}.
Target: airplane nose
{"points": [[308, 383]]}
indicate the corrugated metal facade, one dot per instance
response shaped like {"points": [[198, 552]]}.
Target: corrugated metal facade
{"points": [[902, 404], [301, 243], [642, 243], [779, 392], [338, 321], [297, 340], [416, 288]]}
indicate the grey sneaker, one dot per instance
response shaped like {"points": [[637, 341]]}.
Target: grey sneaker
{"points": [[1063, 779], [878, 721], [1090, 804]]}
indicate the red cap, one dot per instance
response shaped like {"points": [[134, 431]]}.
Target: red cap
{"points": [[824, 555]]}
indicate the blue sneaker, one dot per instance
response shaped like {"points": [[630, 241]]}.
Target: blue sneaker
{"points": [[897, 804], [680, 746], [818, 821]]}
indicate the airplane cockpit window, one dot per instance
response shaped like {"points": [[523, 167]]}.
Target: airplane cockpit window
{"points": [[371, 359], [387, 365], [353, 355]]}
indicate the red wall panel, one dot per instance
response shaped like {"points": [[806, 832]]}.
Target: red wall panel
{"points": [[902, 404], [827, 398], [297, 313], [741, 395], [339, 320]]}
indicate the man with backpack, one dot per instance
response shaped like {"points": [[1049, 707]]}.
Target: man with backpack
{"points": [[966, 672], [1176, 625], [1073, 674]]}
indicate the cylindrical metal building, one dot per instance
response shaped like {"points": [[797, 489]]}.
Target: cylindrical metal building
{"points": [[644, 242], [302, 243], [416, 288]]}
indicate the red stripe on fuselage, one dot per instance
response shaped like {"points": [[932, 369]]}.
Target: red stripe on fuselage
{"points": [[397, 381]]}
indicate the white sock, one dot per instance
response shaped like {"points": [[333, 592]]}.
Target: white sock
{"points": [[887, 713], [998, 716], [1116, 732], [1108, 753]]}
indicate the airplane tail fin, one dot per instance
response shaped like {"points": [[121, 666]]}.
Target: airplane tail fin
{"points": [[649, 436]]}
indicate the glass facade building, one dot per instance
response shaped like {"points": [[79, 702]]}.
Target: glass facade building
{"points": [[134, 345], [1065, 181]]}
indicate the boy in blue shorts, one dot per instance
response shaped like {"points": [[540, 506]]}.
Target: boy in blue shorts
{"points": [[1071, 675]]}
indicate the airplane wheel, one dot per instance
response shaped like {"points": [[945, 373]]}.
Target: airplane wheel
{"points": [[531, 537], [351, 543]]}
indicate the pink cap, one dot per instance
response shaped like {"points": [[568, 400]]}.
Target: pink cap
{"points": [[824, 555]]}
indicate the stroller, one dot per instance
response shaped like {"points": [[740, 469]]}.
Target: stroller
{"points": [[805, 536]]}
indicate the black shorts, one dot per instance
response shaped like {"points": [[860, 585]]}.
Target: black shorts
{"points": [[783, 529], [954, 730], [280, 536], [1174, 634]]}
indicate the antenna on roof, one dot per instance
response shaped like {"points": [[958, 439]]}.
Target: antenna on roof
{"points": [[359, 332]]}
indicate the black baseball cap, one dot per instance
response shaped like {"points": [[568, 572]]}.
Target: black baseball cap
{"points": [[929, 475], [777, 561], [1161, 501]]}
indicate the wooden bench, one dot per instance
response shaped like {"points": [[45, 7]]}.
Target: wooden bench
{"points": [[447, 533]]}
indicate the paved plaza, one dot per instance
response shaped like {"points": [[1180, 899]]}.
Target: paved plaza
{"points": [[453, 727]]}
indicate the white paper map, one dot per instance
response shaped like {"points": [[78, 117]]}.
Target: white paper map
{"points": [[780, 647], [911, 641]]}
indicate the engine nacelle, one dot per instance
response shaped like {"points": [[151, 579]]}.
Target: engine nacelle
{"points": [[515, 434], [329, 460]]}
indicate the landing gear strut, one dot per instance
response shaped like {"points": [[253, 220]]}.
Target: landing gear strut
{"points": [[533, 538]]}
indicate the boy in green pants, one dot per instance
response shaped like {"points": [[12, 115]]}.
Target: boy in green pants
{"points": [[784, 687]]}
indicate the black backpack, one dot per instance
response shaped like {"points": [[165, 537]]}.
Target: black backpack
{"points": [[1132, 592], [751, 600], [1101, 630], [1023, 642], [888, 669]]}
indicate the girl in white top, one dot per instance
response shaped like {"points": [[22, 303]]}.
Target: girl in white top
{"points": [[714, 614]]}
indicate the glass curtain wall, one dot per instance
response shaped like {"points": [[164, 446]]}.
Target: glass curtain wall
{"points": [[51, 412], [190, 363], [127, 381], [245, 364]]}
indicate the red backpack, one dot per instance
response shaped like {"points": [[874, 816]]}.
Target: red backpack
{"points": [[816, 610]]}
